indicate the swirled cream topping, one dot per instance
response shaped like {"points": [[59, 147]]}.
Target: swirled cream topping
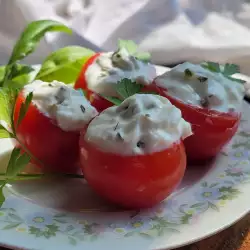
{"points": [[67, 106], [142, 124], [109, 68], [196, 85]]}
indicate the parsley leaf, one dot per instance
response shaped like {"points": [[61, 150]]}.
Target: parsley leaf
{"points": [[230, 69], [126, 88], [132, 48], [113, 100], [227, 70], [212, 66]]}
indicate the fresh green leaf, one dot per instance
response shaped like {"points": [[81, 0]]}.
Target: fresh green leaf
{"points": [[2, 198], [24, 108], [2, 72], [143, 56], [17, 162], [132, 49], [4, 133], [7, 102], [231, 69], [28, 41], [236, 79], [113, 100], [21, 75], [64, 64], [129, 45], [19, 69], [126, 88], [227, 70], [32, 34], [212, 66]]}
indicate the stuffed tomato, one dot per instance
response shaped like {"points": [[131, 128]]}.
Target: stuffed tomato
{"points": [[103, 71], [50, 128], [209, 101], [133, 154]]}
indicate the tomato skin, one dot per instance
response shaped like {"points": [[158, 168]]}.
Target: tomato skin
{"points": [[212, 130], [57, 149], [133, 181], [81, 83]]}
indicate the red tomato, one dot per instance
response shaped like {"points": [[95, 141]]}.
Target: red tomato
{"points": [[212, 130], [133, 181], [81, 83], [57, 149]]}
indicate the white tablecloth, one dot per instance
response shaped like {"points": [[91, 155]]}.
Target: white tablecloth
{"points": [[172, 30]]}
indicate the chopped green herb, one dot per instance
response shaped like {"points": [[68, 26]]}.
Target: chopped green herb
{"points": [[202, 78], [188, 73]]}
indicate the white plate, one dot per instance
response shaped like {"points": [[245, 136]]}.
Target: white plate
{"points": [[66, 214]]}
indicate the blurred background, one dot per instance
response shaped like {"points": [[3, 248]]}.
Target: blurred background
{"points": [[171, 30]]}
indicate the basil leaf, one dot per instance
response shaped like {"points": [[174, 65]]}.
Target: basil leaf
{"points": [[32, 34], [64, 64], [126, 88], [28, 41]]}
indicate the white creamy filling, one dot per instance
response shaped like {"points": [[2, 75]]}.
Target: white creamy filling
{"points": [[193, 84], [142, 124], [109, 68], [67, 106]]}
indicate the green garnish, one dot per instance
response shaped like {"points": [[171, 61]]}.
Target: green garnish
{"points": [[64, 65], [188, 73], [27, 43], [18, 160], [12, 78], [227, 70], [132, 48], [126, 88], [113, 100]]}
